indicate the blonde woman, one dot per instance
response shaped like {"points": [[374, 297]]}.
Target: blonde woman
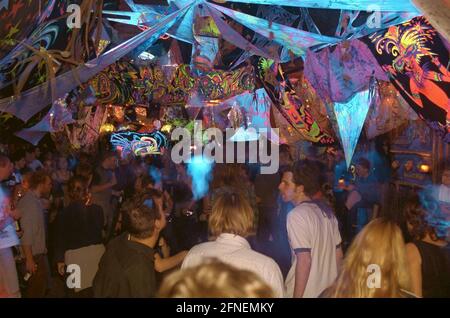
{"points": [[375, 265], [214, 279], [230, 223]]}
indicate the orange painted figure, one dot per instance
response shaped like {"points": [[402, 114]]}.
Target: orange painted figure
{"points": [[409, 47]]}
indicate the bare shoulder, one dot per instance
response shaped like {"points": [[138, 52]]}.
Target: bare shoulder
{"points": [[413, 254]]}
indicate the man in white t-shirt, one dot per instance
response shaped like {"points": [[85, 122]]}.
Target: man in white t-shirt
{"points": [[313, 234]]}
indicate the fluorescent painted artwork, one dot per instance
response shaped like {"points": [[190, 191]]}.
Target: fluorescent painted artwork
{"points": [[350, 118], [40, 96], [141, 145], [416, 59]]}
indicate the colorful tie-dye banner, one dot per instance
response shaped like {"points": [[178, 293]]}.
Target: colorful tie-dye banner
{"points": [[390, 111], [288, 103], [416, 60], [339, 72]]}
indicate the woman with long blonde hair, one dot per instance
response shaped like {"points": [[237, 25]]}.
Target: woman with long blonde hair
{"points": [[375, 265]]}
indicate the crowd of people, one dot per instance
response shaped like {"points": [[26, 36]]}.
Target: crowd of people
{"points": [[134, 228]]}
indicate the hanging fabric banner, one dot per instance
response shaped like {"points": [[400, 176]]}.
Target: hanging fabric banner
{"points": [[366, 5], [350, 118], [230, 35], [416, 60], [277, 15], [33, 100], [284, 97], [294, 39], [55, 120], [390, 110], [338, 73]]}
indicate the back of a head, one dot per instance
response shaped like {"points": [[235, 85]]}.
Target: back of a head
{"points": [[84, 169], [77, 188], [378, 247], [214, 279], [231, 213], [227, 174], [307, 173], [107, 155], [424, 217], [363, 162], [139, 219], [38, 178]]}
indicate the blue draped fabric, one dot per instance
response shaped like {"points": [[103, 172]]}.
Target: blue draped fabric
{"points": [[364, 5], [294, 39], [350, 118]]}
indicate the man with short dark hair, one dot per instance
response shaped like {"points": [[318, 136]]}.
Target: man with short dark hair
{"points": [[18, 159], [127, 269], [35, 233], [31, 157], [313, 234]]}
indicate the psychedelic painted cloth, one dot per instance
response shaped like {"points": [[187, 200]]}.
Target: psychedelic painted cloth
{"points": [[339, 72], [122, 83], [389, 111], [416, 60], [19, 18], [284, 97]]}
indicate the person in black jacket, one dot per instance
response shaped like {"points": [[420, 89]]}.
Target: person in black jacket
{"points": [[79, 231], [127, 269]]}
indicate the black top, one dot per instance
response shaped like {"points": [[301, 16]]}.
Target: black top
{"points": [[78, 226], [435, 269], [126, 269]]}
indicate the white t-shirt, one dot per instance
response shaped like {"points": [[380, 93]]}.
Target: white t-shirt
{"points": [[236, 251], [311, 229]]}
